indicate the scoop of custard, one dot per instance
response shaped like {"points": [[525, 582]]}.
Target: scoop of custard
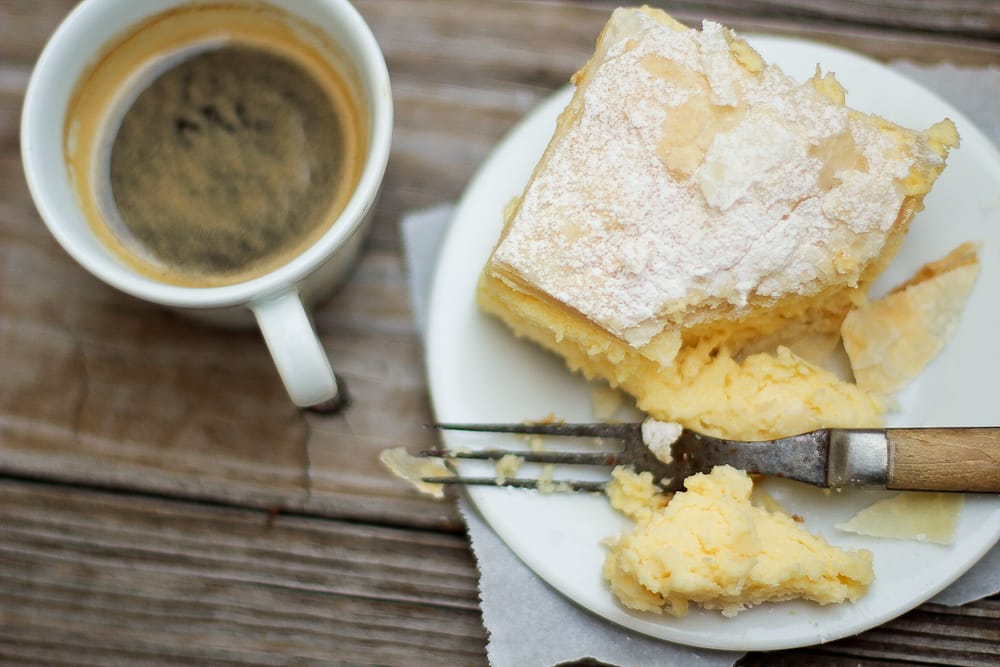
{"points": [[710, 546]]}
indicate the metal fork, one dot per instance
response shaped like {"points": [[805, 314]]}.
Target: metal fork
{"points": [[963, 459], [692, 453]]}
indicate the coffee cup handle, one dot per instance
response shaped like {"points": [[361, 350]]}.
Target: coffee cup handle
{"points": [[296, 348]]}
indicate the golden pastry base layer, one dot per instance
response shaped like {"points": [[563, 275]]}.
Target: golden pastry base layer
{"points": [[756, 377], [708, 387]]}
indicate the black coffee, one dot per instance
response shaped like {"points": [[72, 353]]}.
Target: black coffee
{"points": [[230, 163]]}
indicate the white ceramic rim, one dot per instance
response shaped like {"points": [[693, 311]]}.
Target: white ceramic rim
{"points": [[374, 77]]}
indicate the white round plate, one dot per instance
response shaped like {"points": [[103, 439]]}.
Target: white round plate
{"points": [[479, 371]]}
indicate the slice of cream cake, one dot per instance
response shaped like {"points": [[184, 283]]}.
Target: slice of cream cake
{"points": [[694, 202]]}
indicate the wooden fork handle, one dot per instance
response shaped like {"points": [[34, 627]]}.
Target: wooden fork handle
{"points": [[944, 459]]}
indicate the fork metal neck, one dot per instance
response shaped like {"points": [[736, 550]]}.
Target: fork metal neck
{"points": [[857, 458], [800, 457], [836, 458]]}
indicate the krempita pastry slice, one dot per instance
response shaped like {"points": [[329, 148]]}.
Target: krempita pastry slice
{"points": [[693, 202]]}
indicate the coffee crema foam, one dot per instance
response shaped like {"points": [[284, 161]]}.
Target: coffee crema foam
{"points": [[213, 144]]}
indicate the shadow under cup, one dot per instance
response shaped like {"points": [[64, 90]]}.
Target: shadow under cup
{"points": [[107, 54]]}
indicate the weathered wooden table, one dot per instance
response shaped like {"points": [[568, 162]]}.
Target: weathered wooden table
{"points": [[161, 501]]}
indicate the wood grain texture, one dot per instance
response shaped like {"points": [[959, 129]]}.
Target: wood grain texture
{"points": [[944, 459], [968, 19], [190, 428], [95, 578]]}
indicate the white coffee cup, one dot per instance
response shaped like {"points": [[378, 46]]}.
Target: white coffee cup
{"points": [[277, 300]]}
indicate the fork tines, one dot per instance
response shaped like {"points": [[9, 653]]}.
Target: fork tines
{"points": [[594, 430], [519, 483]]}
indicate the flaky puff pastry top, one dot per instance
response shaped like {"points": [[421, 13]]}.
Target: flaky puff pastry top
{"points": [[687, 172]]}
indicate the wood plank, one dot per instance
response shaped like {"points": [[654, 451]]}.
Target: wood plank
{"points": [[28, 22], [932, 634], [104, 390], [969, 19], [493, 39], [96, 578]]}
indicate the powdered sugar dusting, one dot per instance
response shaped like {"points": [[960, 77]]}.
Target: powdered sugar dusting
{"points": [[716, 62], [610, 227]]}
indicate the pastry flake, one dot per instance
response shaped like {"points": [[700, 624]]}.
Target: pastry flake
{"points": [[890, 340]]}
